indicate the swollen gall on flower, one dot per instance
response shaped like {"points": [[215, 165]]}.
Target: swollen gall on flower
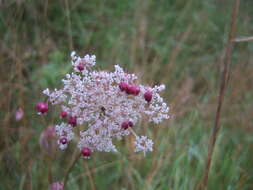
{"points": [[100, 107]]}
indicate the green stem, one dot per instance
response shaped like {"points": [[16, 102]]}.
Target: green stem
{"points": [[70, 168]]}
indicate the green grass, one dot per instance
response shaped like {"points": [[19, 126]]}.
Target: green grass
{"points": [[178, 43]]}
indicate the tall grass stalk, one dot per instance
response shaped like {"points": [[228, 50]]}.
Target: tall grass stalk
{"points": [[223, 85]]}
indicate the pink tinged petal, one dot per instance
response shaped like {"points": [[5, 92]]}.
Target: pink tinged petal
{"points": [[47, 140], [19, 114], [50, 131], [59, 185]]}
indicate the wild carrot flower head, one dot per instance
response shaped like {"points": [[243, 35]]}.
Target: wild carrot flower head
{"points": [[104, 106]]}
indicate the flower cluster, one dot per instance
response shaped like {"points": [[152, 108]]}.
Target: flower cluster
{"points": [[98, 107]]}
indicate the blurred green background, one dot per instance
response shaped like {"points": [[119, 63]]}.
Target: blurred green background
{"points": [[176, 42]]}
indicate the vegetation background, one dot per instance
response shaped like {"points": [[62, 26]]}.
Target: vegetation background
{"points": [[178, 43]]}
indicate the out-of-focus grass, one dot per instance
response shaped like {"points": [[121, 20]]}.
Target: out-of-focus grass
{"points": [[179, 43]]}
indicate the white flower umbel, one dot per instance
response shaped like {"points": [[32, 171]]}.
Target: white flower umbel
{"points": [[144, 144], [104, 106]]}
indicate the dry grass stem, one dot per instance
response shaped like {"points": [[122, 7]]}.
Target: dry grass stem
{"points": [[223, 84]]}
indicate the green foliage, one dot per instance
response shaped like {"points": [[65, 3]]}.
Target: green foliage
{"points": [[50, 75], [176, 42]]}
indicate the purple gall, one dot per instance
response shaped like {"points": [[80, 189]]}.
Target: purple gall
{"points": [[64, 114], [63, 140], [86, 152], [148, 96], [136, 91], [42, 107], [80, 67], [123, 86], [125, 125], [130, 124], [72, 121]]}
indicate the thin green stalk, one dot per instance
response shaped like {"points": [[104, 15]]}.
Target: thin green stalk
{"points": [[70, 168]]}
